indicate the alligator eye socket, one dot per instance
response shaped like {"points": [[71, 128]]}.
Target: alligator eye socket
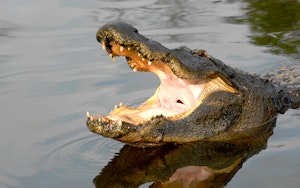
{"points": [[135, 30]]}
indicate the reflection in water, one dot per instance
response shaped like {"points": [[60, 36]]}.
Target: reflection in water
{"points": [[275, 24], [198, 164]]}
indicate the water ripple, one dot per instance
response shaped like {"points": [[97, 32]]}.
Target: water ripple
{"points": [[78, 155]]}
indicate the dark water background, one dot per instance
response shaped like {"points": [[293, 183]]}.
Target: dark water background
{"points": [[52, 70]]}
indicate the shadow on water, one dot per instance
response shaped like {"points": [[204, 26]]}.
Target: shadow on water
{"points": [[274, 24], [198, 164]]}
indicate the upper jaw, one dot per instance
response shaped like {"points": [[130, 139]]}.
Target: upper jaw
{"points": [[182, 61]]}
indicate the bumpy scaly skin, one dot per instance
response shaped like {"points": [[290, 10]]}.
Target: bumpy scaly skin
{"points": [[221, 116]]}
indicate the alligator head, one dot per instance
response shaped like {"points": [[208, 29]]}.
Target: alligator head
{"points": [[198, 98]]}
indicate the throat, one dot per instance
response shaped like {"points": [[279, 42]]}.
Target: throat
{"points": [[178, 95]]}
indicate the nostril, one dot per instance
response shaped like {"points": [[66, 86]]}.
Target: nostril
{"points": [[98, 38]]}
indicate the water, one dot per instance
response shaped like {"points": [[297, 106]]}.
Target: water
{"points": [[52, 70]]}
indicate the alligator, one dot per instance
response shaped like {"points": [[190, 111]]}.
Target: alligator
{"points": [[199, 97]]}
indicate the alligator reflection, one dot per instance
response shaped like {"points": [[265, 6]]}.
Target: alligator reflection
{"points": [[198, 164]]}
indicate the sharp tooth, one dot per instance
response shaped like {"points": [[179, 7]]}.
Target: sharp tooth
{"points": [[143, 59], [113, 58], [91, 118], [119, 122], [121, 104], [103, 45], [88, 115], [128, 48], [116, 106], [149, 62], [134, 69], [139, 54], [121, 48]]}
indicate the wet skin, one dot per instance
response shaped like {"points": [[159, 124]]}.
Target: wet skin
{"points": [[199, 97]]}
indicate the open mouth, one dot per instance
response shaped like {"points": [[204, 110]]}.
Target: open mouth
{"points": [[175, 98], [180, 91]]}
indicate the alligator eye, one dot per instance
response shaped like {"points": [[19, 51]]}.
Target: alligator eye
{"points": [[135, 30]]}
